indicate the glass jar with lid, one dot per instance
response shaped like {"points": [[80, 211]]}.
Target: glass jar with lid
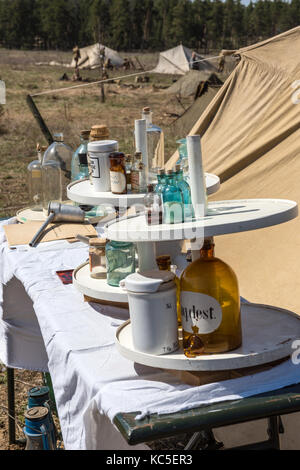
{"points": [[120, 261], [97, 258]]}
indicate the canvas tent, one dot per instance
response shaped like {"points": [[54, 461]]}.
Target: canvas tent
{"points": [[177, 61], [189, 83], [251, 139], [90, 57]]}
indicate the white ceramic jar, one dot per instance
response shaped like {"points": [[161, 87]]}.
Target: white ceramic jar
{"points": [[98, 153], [153, 311]]}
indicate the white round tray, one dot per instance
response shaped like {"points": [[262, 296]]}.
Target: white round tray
{"points": [[28, 214], [268, 334], [96, 288], [223, 217], [82, 192]]}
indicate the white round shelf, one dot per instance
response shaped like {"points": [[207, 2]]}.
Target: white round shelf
{"points": [[82, 192], [268, 334], [223, 217], [28, 214], [97, 288]]}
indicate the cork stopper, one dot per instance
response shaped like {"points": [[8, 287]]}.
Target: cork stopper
{"points": [[146, 110], [85, 133], [164, 262], [98, 242], [138, 155], [161, 171], [128, 157], [99, 132]]}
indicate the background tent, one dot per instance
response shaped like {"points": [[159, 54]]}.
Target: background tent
{"points": [[177, 61], [189, 83], [251, 139], [90, 57]]}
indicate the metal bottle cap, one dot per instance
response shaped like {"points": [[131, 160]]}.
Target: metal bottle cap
{"points": [[36, 413]]}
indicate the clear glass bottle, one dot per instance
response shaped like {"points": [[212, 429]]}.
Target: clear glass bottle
{"points": [[128, 166], [186, 193], [56, 171], [155, 145], [120, 261], [35, 184], [142, 178], [210, 305], [75, 165], [153, 206], [183, 158], [97, 258], [172, 200], [134, 177]]}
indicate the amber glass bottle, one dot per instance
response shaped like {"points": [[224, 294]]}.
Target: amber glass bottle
{"points": [[210, 305]]}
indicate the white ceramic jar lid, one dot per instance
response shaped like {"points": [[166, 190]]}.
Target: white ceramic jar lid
{"points": [[147, 281], [102, 146]]}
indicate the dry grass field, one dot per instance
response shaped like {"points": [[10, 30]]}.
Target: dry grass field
{"points": [[66, 112], [69, 112]]}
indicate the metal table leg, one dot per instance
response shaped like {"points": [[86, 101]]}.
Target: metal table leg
{"points": [[11, 405]]}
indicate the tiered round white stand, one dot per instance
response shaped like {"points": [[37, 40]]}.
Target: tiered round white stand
{"points": [[268, 334]]}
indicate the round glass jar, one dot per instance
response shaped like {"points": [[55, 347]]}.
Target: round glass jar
{"points": [[97, 258]]}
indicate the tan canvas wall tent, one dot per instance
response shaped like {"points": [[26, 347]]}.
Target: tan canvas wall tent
{"points": [[177, 61], [90, 57], [251, 139]]}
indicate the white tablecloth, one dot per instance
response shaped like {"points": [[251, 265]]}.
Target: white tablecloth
{"points": [[92, 381]]}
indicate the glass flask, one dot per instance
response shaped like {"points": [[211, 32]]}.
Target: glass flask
{"points": [[56, 171], [172, 200], [120, 261], [155, 145], [35, 185], [210, 305], [84, 139], [186, 193], [153, 207]]}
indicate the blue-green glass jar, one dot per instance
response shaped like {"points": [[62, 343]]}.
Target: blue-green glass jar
{"points": [[83, 170], [161, 177], [172, 200], [75, 164], [120, 261], [186, 193]]}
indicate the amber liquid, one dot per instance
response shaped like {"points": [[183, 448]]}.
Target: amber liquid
{"points": [[213, 278]]}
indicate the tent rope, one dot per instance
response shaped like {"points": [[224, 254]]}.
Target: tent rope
{"points": [[58, 90]]}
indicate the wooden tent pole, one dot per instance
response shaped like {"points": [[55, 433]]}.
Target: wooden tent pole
{"points": [[36, 114]]}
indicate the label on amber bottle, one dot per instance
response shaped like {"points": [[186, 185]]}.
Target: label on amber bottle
{"points": [[200, 313], [117, 182]]}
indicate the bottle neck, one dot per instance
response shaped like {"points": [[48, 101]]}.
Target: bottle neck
{"points": [[208, 249]]}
